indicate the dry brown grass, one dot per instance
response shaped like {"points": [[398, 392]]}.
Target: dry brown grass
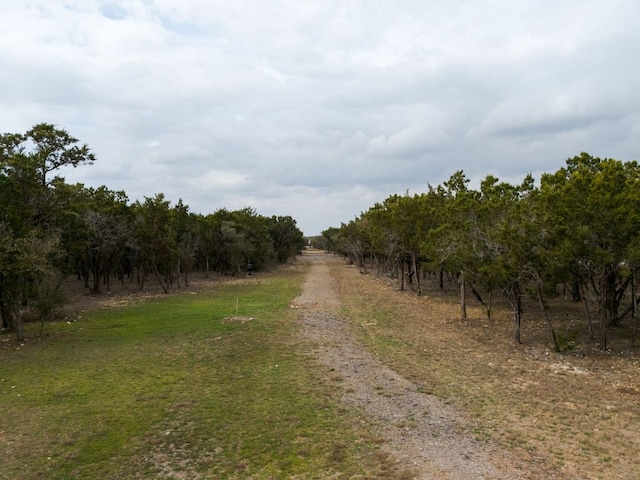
{"points": [[574, 415]]}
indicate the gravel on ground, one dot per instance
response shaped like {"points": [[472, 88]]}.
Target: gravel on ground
{"points": [[420, 431]]}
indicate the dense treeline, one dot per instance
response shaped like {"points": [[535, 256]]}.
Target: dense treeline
{"points": [[50, 229], [578, 232]]}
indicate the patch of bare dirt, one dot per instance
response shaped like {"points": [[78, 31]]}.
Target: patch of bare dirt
{"points": [[128, 292], [237, 319]]}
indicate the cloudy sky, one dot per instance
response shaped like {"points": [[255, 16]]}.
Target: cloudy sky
{"points": [[318, 109]]}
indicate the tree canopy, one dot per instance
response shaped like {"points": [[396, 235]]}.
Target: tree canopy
{"points": [[579, 229], [50, 229]]}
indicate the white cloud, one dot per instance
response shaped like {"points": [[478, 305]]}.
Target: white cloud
{"points": [[320, 109]]}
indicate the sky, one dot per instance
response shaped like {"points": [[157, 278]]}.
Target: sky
{"points": [[319, 109]]}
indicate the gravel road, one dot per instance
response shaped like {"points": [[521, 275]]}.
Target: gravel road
{"points": [[421, 432]]}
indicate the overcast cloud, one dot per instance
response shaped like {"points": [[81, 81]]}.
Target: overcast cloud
{"points": [[318, 109]]}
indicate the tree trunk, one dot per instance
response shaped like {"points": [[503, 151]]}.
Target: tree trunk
{"points": [[517, 320], [84, 273], [155, 269], [7, 318], [143, 279], [634, 313], [139, 279], [416, 273], [9, 309], [490, 305], [586, 307], [575, 291], [17, 320], [96, 281], [463, 296], [543, 310], [515, 299], [603, 329], [486, 306], [603, 311], [613, 299], [157, 272], [517, 317], [401, 273], [633, 294], [4, 310]]}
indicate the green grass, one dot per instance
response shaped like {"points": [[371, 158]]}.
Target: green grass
{"points": [[169, 389]]}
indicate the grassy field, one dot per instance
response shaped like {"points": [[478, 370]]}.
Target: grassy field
{"points": [[183, 386], [178, 387]]}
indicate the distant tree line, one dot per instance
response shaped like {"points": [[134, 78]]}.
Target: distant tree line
{"points": [[50, 229], [577, 232]]}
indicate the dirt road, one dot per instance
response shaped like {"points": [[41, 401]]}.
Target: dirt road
{"points": [[426, 436]]}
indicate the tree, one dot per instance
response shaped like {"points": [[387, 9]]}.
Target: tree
{"points": [[23, 262], [385, 246], [330, 240], [206, 248], [512, 243], [155, 240], [410, 220], [598, 200], [356, 242], [287, 240], [455, 244], [52, 148], [185, 233], [258, 247], [108, 223], [28, 214], [48, 296]]}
